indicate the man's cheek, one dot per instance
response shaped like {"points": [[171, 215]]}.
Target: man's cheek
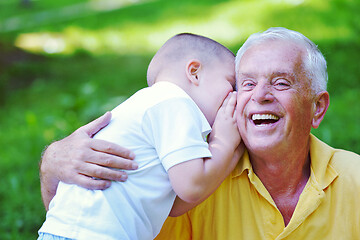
{"points": [[239, 121]]}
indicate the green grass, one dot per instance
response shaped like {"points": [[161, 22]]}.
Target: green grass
{"points": [[45, 97]]}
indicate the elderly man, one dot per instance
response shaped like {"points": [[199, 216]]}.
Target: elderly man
{"points": [[287, 185]]}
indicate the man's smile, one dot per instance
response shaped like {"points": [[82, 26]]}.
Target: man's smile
{"points": [[263, 119]]}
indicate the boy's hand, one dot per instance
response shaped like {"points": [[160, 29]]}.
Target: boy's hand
{"points": [[225, 130]]}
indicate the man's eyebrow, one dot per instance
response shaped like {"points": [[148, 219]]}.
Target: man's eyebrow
{"points": [[284, 73], [245, 75]]}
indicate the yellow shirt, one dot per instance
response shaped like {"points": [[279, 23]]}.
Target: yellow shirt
{"points": [[241, 208]]}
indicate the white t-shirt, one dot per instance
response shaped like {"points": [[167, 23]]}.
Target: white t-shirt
{"points": [[164, 127]]}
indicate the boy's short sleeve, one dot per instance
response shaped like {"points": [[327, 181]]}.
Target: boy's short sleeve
{"points": [[178, 130]]}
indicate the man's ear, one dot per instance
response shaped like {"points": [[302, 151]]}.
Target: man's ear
{"points": [[321, 105], [193, 70]]}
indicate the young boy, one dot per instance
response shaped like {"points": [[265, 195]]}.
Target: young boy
{"points": [[191, 80]]}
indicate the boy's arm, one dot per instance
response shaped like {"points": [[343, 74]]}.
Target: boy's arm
{"points": [[180, 206], [77, 158], [195, 180]]}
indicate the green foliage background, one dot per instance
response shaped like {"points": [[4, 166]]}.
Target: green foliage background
{"points": [[104, 51]]}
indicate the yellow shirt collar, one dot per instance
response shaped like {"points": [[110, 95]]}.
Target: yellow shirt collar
{"points": [[323, 172], [243, 164], [321, 155]]}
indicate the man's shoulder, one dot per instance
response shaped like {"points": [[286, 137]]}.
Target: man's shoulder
{"points": [[339, 159], [346, 164], [346, 158]]}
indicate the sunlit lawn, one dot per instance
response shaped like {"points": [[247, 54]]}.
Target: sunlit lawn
{"points": [[80, 63]]}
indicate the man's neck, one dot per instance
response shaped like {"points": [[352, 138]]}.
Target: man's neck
{"points": [[284, 178]]}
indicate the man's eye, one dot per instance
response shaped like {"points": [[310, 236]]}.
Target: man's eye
{"points": [[282, 84], [247, 85]]}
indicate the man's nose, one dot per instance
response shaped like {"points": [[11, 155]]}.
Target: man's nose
{"points": [[262, 93]]}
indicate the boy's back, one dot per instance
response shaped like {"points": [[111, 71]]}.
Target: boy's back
{"points": [[164, 127]]}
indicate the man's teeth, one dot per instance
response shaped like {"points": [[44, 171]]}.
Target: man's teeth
{"points": [[264, 117]]}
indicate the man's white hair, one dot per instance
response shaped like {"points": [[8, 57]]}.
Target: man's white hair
{"points": [[314, 62]]}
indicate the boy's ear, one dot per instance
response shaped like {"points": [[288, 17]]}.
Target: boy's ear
{"points": [[321, 105], [192, 71]]}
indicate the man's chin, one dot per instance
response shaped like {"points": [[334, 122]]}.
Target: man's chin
{"points": [[261, 144]]}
